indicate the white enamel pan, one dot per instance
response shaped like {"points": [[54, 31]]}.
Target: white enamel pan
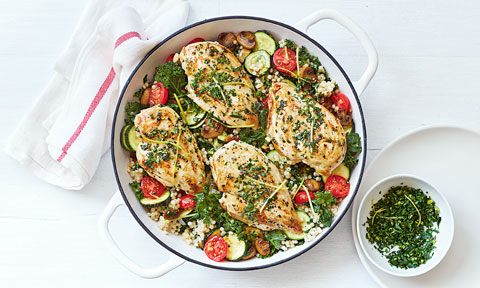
{"points": [[209, 29]]}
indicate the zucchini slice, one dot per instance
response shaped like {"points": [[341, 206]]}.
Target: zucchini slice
{"points": [[274, 156], [257, 63], [150, 203], [194, 116], [236, 247], [265, 42], [175, 214], [132, 139], [124, 137], [341, 170], [185, 213], [304, 219], [215, 232]]}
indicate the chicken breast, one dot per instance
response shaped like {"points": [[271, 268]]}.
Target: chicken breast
{"points": [[303, 130], [254, 191], [218, 83], [168, 151]]}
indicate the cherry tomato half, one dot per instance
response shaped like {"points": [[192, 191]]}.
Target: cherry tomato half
{"points": [[341, 101], [337, 185], [187, 202], [195, 40], [158, 95], [302, 197], [151, 188], [216, 248], [170, 58], [285, 60]]}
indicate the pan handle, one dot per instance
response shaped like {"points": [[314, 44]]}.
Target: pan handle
{"points": [[173, 262], [358, 32]]}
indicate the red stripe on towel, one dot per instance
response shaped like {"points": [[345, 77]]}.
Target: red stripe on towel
{"points": [[98, 97], [126, 37], [101, 92]]}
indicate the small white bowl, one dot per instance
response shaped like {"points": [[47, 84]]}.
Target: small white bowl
{"points": [[444, 237]]}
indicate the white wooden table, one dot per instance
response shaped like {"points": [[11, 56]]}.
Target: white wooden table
{"points": [[428, 74]]}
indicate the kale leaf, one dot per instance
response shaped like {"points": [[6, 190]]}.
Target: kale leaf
{"points": [[258, 136], [305, 57], [263, 118], [290, 44], [234, 225], [325, 215], [139, 93], [136, 189], [275, 237], [172, 76], [209, 209], [251, 135], [321, 204], [324, 198], [354, 147], [131, 110]]}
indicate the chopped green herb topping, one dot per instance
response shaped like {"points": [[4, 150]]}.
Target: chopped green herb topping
{"points": [[401, 226]]}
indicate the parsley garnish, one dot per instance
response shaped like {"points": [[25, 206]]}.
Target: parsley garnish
{"points": [[401, 226]]}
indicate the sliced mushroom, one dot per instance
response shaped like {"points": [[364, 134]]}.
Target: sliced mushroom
{"points": [[345, 118], [212, 129], [145, 96], [227, 40], [312, 185], [251, 252], [262, 246], [308, 72], [307, 87], [243, 54], [327, 103], [171, 214], [246, 39]]}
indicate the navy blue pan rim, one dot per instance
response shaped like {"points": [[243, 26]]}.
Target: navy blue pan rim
{"points": [[113, 141]]}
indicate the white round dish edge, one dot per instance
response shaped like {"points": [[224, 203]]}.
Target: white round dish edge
{"points": [[443, 239], [433, 153]]}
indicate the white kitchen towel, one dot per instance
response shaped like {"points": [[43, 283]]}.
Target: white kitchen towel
{"points": [[67, 130]]}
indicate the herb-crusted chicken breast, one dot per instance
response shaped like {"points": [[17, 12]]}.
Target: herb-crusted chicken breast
{"points": [[168, 151], [254, 191], [218, 83], [303, 130]]}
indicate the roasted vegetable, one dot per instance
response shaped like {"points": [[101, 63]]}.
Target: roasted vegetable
{"points": [[212, 129], [246, 39], [262, 246], [227, 40], [313, 185]]}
